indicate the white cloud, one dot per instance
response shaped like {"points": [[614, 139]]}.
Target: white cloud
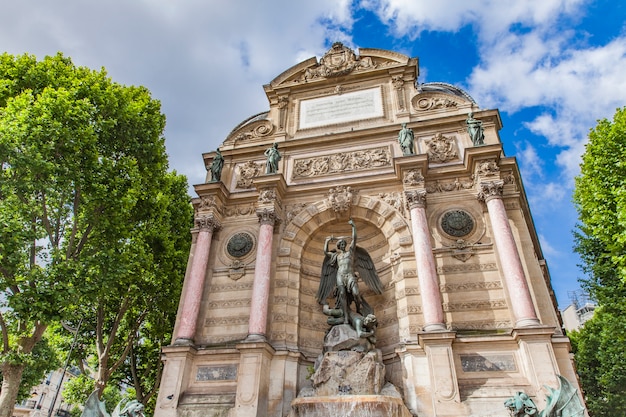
{"points": [[205, 61]]}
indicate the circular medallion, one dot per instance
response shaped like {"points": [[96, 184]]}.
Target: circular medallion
{"points": [[457, 223], [239, 245]]}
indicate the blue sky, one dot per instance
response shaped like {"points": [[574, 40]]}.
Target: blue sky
{"points": [[552, 68]]}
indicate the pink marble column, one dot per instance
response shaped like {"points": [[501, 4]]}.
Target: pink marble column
{"points": [[426, 271], [195, 282], [522, 306], [257, 325]]}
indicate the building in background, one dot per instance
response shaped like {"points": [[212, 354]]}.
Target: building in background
{"points": [[38, 405], [578, 312]]}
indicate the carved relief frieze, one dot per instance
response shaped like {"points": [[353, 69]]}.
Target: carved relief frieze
{"points": [[230, 338], [440, 186], [475, 305], [425, 102], [340, 199], [240, 210], [470, 286], [226, 321], [413, 178], [463, 268], [413, 309], [441, 149], [230, 303], [339, 60], [244, 286], [247, 172], [342, 162], [279, 300], [480, 325]]}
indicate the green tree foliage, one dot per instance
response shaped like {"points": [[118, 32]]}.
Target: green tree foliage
{"points": [[83, 230], [600, 197]]}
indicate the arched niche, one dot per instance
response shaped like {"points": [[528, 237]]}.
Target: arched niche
{"points": [[382, 231]]}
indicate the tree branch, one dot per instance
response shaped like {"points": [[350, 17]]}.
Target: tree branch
{"points": [[5, 334]]}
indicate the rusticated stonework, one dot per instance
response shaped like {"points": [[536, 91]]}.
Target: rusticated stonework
{"points": [[342, 162]]}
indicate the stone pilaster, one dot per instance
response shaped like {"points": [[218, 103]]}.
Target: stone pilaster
{"points": [[253, 379]]}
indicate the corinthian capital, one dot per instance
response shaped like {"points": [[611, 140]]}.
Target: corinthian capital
{"points": [[267, 216], [490, 190], [208, 223], [415, 198]]}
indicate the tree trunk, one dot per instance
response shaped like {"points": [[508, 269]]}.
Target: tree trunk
{"points": [[11, 379]]}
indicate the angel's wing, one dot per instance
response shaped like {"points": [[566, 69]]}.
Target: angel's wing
{"points": [[328, 279], [94, 407], [367, 270]]}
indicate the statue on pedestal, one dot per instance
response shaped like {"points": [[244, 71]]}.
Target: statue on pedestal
{"points": [[341, 271], [273, 156], [406, 140], [216, 166], [475, 130]]}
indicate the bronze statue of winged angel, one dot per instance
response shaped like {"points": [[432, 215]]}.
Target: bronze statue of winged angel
{"points": [[341, 271]]}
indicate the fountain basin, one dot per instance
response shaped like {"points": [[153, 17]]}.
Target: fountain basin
{"points": [[349, 406]]}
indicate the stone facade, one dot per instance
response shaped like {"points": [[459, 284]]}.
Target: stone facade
{"points": [[467, 317]]}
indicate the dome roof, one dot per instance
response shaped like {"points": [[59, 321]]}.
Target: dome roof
{"points": [[445, 88]]}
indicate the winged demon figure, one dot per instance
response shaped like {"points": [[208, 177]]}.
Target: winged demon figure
{"points": [[341, 271]]}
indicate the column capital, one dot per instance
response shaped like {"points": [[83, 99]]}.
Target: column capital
{"points": [[207, 222], [415, 198], [490, 190], [267, 216]]}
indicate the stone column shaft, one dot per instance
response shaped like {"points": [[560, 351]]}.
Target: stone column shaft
{"points": [[257, 325], [521, 301], [426, 270], [195, 282]]}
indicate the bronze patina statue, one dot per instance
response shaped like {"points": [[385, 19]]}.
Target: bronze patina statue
{"points": [[341, 271], [475, 130], [216, 166], [406, 140], [561, 402], [273, 156]]}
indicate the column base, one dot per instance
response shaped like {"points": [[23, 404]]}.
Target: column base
{"points": [[183, 341], [254, 338], [532, 322], [435, 327]]}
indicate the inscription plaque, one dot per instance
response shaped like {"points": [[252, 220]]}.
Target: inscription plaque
{"points": [[217, 373], [488, 363], [347, 107]]}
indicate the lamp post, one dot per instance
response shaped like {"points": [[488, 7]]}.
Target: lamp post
{"points": [[67, 362]]}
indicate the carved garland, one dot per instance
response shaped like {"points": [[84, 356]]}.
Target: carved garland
{"points": [[342, 162]]}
